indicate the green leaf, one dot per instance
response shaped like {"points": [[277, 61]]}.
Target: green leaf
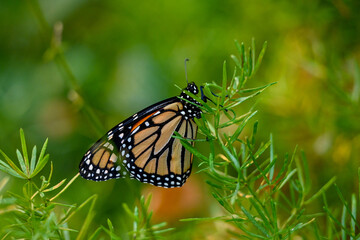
{"points": [[306, 172], [353, 212], [343, 223], [256, 89], [345, 204], [203, 219], [287, 178], [254, 222], [33, 160], [13, 166], [86, 223], [24, 149], [321, 191], [261, 56], [43, 149], [40, 165], [6, 168], [240, 128], [21, 161], [56, 186], [230, 156], [301, 225], [261, 211], [224, 84], [96, 233], [271, 173]]}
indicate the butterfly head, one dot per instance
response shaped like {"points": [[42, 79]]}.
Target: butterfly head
{"points": [[191, 87], [191, 108]]}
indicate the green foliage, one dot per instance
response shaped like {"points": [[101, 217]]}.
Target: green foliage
{"points": [[141, 217], [34, 214], [344, 227], [265, 197], [313, 57], [29, 168]]}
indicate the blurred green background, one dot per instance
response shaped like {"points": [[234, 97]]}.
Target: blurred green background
{"points": [[127, 55]]}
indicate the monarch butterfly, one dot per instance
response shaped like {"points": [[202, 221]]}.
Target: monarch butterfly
{"points": [[143, 147]]}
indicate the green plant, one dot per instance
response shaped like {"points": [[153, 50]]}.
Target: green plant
{"points": [[262, 195], [343, 226], [34, 213]]}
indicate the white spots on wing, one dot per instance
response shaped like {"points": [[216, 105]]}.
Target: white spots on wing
{"points": [[118, 168], [121, 135], [113, 158], [87, 162], [147, 123], [122, 152], [135, 130]]}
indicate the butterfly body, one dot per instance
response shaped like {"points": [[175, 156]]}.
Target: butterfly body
{"points": [[142, 146]]}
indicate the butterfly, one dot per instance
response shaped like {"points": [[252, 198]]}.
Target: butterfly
{"points": [[143, 145]]}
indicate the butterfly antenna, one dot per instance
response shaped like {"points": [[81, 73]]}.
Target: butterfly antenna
{"points": [[186, 60]]}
